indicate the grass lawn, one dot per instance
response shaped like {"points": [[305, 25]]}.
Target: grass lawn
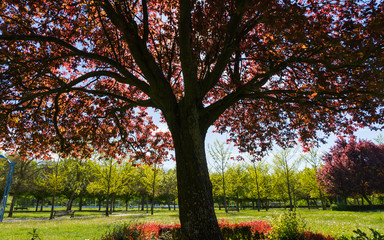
{"points": [[92, 224]]}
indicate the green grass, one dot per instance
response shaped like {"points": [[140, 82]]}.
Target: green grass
{"points": [[92, 224]]}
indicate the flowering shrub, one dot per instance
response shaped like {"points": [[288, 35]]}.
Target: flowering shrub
{"points": [[252, 230], [244, 230], [307, 235]]}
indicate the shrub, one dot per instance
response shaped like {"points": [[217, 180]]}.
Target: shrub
{"points": [[307, 235], [287, 227]]}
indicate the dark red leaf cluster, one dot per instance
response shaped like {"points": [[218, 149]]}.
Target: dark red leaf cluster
{"points": [[353, 168]]}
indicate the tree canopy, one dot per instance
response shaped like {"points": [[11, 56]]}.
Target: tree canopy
{"points": [[77, 76], [353, 168]]}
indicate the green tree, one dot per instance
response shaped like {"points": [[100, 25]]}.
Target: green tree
{"points": [[238, 183], [108, 179], [168, 186], [313, 158], [285, 165], [307, 185], [78, 171], [260, 181], [52, 176], [127, 190], [221, 155], [24, 170]]}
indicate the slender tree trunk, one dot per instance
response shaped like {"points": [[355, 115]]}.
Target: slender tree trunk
{"points": [[174, 204], [257, 187], [126, 205], [223, 177], [99, 204], [289, 193], [53, 205], [169, 203], [197, 214], [153, 190], [70, 201], [14, 197], [81, 201], [37, 205], [142, 202], [42, 204], [107, 207], [322, 199], [367, 199]]}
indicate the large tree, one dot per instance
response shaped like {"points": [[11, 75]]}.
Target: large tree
{"points": [[78, 75]]}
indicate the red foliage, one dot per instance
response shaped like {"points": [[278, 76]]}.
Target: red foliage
{"points": [[266, 70], [316, 236], [259, 230], [353, 168], [256, 225]]}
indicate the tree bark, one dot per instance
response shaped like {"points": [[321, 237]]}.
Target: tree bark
{"points": [[196, 210], [14, 197], [37, 204], [42, 205], [70, 201], [81, 201], [53, 205]]}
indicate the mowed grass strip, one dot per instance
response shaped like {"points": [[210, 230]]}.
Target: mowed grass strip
{"points": [[92, 225]]}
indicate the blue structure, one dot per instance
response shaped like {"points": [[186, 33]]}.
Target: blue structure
{"points": [[7, 187]]}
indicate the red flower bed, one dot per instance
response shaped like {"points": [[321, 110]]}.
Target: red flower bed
{"points": [[236, 231]]}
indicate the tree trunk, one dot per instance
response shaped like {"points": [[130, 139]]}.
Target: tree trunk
{"points": [[289, 194], [225, 197], [107, 208], [153, 189], [70, 201], [10, 214], [367, 199], [322, 199], [81, 201], [42, 204], [37, 204], [168, 203], [53, 205], [196, 210]]}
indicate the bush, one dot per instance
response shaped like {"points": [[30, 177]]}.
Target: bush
{"points": [[238, 231], [287, 227]]}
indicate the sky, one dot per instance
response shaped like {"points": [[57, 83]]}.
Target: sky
{"points": [[363, 133]]}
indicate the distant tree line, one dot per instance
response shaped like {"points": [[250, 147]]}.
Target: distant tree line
{"points": [[350, 172], [103, 179]]}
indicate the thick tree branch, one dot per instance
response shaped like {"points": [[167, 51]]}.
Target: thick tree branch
{"points": [[130, 78], [231, 42], [143, 58], [145, 20], [186, 55]]}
